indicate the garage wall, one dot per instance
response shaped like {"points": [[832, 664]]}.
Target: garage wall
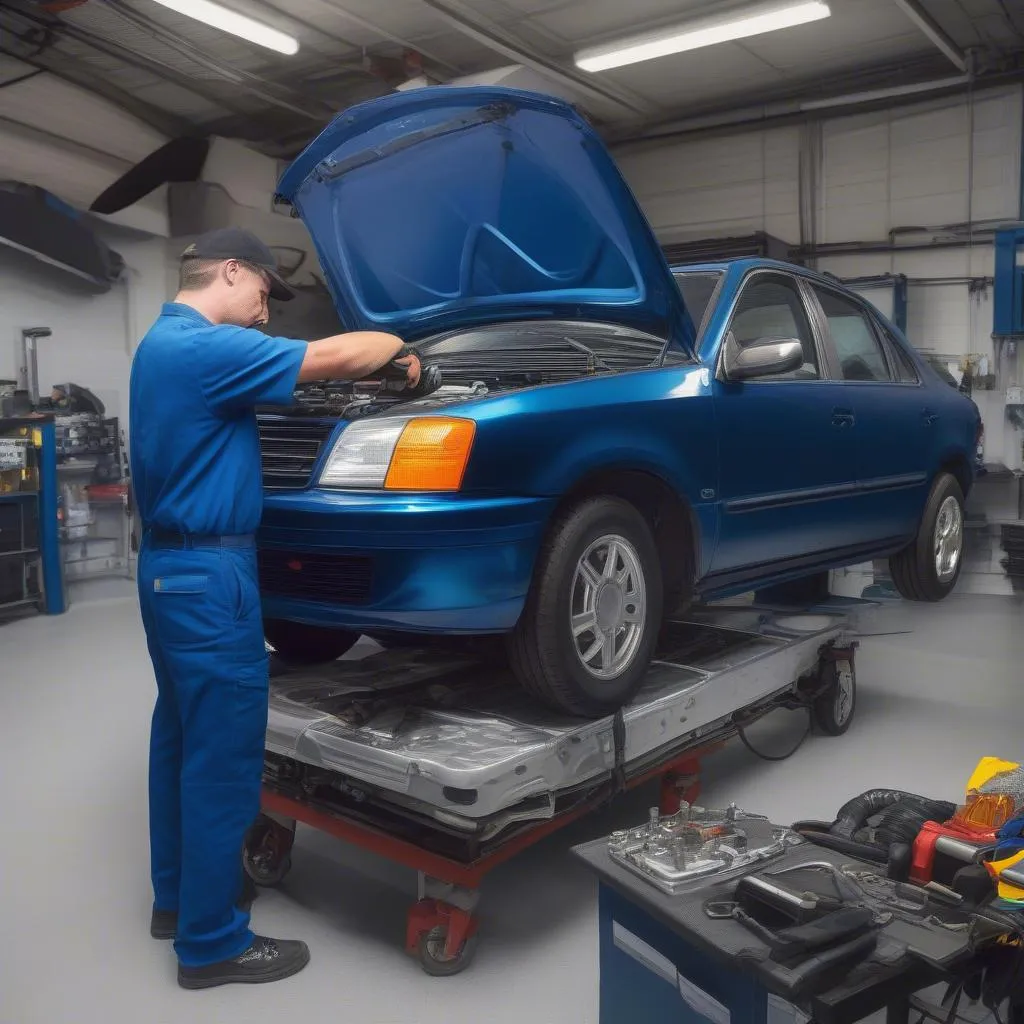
{"points": [[926, 166], [94, 336], [719, 187]]}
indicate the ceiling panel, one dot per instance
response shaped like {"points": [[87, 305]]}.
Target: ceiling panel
{"points": [[865, 32], [694, 77], [583, 21]]}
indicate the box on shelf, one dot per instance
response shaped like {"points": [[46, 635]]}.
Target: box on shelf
{"points": [[18, 580]]}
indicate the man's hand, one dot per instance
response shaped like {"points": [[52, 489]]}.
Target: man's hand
{"points": [[411, 365]]}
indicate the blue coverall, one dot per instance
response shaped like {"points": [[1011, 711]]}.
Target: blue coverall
{"points": [[195, 464]]}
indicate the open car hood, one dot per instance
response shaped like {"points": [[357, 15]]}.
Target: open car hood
{"points": [[449, 206]]}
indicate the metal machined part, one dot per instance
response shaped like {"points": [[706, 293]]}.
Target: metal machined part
{"points": [[677, 850]]}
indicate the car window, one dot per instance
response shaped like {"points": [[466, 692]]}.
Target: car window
{"points": [[770, 306], [860, 352], [697, 290], [906, 371]]}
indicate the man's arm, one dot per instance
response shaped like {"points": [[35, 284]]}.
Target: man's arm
{"points": [[353, 356]]}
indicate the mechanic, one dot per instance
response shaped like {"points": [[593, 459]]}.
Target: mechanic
{"points": [[196, 379]]}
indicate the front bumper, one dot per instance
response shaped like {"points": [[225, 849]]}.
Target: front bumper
{"points": [[399, 562]]}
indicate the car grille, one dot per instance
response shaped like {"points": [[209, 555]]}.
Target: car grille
{"points": [[340, 579], [289, 450]]}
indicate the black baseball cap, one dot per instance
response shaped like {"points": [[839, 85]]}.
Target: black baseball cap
{"points": [[242, 245]]}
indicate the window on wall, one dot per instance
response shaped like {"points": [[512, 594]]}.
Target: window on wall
{"points": [[859, 349], [771, 307]]}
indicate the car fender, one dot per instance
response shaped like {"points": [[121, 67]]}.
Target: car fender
{"points": [[548, 441]]}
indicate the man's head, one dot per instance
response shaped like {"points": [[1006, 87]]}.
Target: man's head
{"points": [[229, 274]]}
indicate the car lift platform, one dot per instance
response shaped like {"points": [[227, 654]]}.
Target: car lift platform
{"points": [[441, 763]]}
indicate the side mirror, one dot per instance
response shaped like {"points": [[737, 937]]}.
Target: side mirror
{"points": [[763, 358]]}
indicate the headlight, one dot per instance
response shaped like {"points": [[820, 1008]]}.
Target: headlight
{"points": [[428, 453]]}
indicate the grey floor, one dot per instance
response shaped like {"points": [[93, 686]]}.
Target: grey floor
{"points": [[75, 696]]}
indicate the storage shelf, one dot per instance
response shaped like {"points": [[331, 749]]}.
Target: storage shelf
{"points": [[23, 553]]}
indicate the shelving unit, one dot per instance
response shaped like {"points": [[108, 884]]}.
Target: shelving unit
{"points": [[95, 516], [29, 550]]}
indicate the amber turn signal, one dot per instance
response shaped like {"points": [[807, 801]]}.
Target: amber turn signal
{"points": [[431, 455]]}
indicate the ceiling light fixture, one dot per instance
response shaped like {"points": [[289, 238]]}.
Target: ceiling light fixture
{"points": [[240, 25], [721, 28]]}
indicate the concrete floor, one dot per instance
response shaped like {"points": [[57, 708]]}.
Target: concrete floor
{"points": [[942, 689]]}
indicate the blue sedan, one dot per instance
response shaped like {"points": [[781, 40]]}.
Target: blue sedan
{"points": [[603, 439]]}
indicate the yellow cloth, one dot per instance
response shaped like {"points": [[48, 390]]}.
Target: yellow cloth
{"points": [[1007, 890], [988, 768]]}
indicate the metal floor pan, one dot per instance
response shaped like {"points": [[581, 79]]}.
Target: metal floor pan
{"points": [[452, 734]]}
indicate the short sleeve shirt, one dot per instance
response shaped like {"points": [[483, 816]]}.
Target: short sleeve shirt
{"points": [[195, 452]]}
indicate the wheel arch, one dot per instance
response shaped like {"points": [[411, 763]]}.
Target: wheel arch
{"points": [[959, 467], [670, 516]]}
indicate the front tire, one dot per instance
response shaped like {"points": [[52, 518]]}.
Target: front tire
{"points": [[587, 633], [296, 643], [928, 569]]}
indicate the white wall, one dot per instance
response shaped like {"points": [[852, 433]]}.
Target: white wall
{"points": [[723, 186], [94, 336], [932, 164]]}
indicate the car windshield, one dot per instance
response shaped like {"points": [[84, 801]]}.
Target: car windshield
{"points": [[698, 287]]}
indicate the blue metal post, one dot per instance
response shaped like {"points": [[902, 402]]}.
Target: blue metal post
{"points": [[49, 533], [1008, 292]]}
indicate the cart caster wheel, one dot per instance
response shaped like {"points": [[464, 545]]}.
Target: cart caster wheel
{"points": [[834, 708], [435, 959], [266, 855]]}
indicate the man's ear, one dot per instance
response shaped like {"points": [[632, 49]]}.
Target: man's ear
{"points": [[229, 270]]}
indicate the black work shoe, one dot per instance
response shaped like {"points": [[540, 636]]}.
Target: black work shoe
{"points": [[164, 923], [265, 960]]}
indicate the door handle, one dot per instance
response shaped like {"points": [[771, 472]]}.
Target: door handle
{"points": [[929, 417], [843, 418]]}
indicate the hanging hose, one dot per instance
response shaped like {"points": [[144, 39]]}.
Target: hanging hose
{"points": [[775, 757]]}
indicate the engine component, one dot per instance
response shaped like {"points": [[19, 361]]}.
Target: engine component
{"points": [[675, 851]]}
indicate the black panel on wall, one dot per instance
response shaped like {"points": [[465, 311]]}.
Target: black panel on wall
{"points": [[36, 223], [713, 250]]}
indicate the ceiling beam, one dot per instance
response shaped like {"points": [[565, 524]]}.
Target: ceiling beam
{"points": [[160, 70], [385, 34], [75, 72], [286, 99], [934, 31], [498, 39]]}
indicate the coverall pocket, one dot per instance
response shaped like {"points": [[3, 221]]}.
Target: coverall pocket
{"points": [[184, 609], [192, 584], [249, 721]]}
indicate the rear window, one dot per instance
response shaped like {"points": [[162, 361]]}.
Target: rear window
{"points": [[697, 290]]}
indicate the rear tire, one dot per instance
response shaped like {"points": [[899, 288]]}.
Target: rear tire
{"points": [[296, 643], [927, 570], [574, 584]]}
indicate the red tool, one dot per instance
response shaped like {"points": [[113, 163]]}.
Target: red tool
{"points": [[941, 849]]}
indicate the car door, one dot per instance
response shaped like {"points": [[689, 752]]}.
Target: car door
{"points": [[785, 453], [893, 422]]}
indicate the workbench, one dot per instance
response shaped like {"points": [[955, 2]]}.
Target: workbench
{"points": [[664, 961]]}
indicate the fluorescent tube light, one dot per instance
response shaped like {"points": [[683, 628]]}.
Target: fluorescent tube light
{"points": [[241, 25], [692, 35]]}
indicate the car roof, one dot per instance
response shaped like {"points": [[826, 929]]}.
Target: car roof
{"points": [[745, 263]]}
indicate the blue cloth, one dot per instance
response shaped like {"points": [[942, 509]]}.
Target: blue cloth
{"points": [[194, 442], [195, 465]]}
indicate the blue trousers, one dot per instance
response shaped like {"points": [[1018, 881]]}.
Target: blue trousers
{"points": [[201, 612]]}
